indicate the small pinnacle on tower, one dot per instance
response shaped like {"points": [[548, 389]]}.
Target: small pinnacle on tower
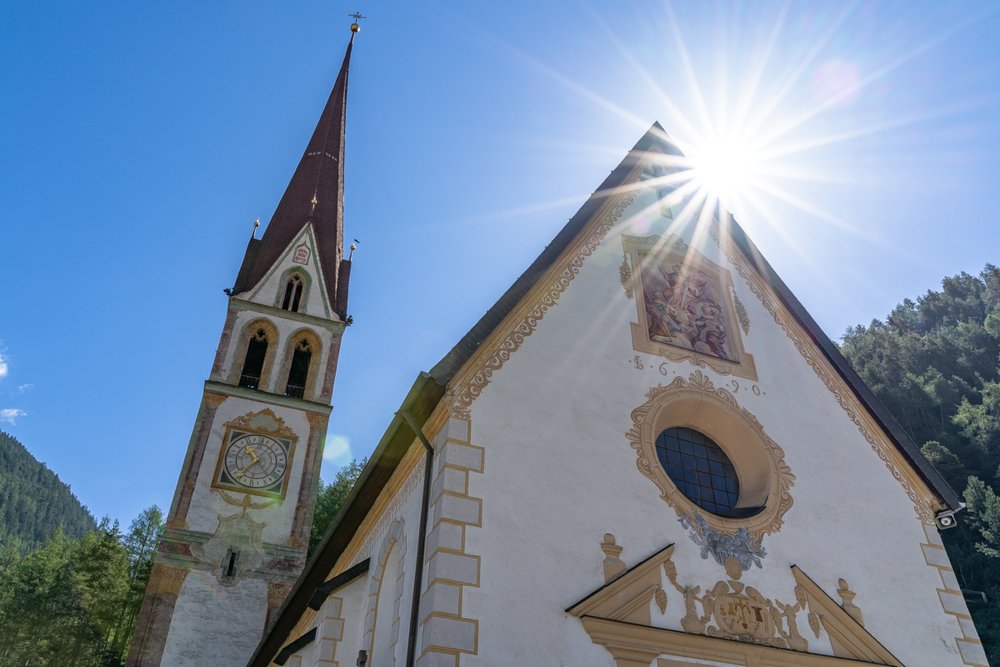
{"points": [[256, 224]]}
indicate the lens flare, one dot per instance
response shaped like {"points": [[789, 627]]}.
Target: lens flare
{"points": [[725, 166]]}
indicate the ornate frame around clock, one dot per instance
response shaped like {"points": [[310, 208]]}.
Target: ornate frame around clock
{"points": [[765, 478], [672, 251], [266, 423]]}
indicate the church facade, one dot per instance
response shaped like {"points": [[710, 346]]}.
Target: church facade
{"points": [[646, 453]]}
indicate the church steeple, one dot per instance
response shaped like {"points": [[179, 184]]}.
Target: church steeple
{"points": [[314, 195], [238, 527]]}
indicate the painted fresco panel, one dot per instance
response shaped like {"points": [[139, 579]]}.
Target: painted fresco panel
{"points": [[684, 306]]}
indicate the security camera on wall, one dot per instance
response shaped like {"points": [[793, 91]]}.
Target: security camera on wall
{"points": [[945, 520]]}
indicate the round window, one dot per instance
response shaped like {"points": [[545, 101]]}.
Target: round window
{"points": [[700, 470]]}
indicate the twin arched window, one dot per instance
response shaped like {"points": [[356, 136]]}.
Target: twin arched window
{"points": [[293, 293], [299, 362]]}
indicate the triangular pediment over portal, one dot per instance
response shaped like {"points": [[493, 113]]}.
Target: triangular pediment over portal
{"points": [[728, 622]]}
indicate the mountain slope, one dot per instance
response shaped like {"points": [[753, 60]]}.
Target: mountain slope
{"points": [[34, 502]]}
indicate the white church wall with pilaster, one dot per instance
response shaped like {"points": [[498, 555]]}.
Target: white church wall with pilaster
{"points": [[393, 529], [560, 473]]}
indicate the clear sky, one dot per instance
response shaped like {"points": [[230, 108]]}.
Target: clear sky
{"points": [[139, 140]]}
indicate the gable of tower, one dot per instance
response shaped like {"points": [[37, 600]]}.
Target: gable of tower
{"points": [[278, 286]]}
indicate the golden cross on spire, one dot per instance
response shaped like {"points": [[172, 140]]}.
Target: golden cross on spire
{"points": [[313, 202], [357, 17]]}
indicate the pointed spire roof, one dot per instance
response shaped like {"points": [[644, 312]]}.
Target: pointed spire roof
{"points": [[315, 194]]}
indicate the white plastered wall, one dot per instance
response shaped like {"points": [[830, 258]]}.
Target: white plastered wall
{"points": [[560, 473], [231, 615]]}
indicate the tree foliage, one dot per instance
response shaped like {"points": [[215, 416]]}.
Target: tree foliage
{"points": [[74, 601], [34, 502], [331, 498], [935, 363]]}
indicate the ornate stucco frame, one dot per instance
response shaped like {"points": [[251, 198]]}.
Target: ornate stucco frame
{"points": [[255, 423], [765, 478], [641, 251]]}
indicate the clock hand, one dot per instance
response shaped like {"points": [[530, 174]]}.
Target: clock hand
{"points": [[241, 472], [252, 454]]}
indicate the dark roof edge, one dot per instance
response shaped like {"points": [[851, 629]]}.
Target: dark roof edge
{"points": [[320, 595], [464, 349], [295, 646], [420, 402], [886, 421]]}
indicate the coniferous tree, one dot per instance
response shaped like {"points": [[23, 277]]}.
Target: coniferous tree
{"points": [[73, 601], [935, 363], [330, 500], [33, 500]]}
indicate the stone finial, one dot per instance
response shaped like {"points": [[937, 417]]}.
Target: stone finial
{"points": [[613, 565], [847, 597]]}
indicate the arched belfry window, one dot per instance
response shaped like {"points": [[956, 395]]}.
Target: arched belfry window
{"points": [[293, 293], [253, 363], [298, 370]]}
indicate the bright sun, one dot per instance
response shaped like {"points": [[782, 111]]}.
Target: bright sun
{"points": [[725, 168]]}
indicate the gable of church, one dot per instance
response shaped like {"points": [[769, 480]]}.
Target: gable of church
{"points": [[554, 422]]}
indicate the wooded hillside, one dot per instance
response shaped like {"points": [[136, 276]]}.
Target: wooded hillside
{"points": [[935, 363], [34, 502]]}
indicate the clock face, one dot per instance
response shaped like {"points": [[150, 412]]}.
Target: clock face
{"points": [[254, 463]]}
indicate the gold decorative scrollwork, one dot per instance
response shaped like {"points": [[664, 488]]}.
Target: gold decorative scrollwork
{"points": [[765, 478], [733, 610], [625, 276], [245, 501], [263, 421], [741, 314]]}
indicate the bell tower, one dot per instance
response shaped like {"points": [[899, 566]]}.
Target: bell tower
{"points": [[238, 526]]}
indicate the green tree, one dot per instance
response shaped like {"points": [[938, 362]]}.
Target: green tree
{"points": [[34, 502], [935, 364], [100, 570], [140, 547], [73, 601], [330, 498], [984, 515]]}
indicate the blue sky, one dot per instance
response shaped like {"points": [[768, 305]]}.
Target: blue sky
{"points": [[138, 142]]}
